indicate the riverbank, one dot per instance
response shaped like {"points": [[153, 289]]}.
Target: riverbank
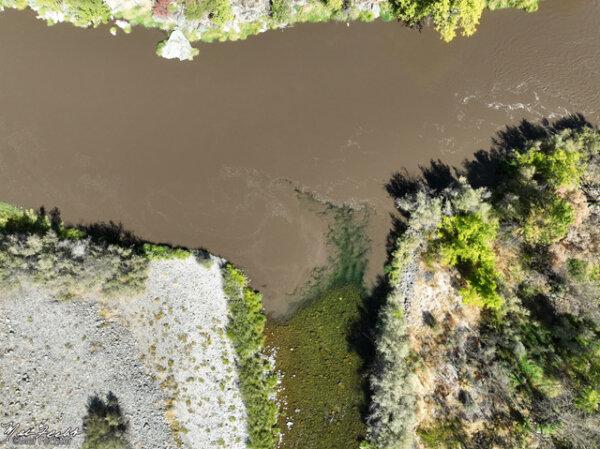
{"points": [[222, 20], [489, 336], [163, 332]]}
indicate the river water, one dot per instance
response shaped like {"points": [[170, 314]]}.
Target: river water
{"points": [[209, 153]]}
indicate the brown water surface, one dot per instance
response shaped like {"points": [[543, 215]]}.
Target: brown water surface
{"points": [[209, 153]]}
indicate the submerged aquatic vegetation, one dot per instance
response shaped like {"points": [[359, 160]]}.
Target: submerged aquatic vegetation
{"points": [[321, 384], [322, 390]]}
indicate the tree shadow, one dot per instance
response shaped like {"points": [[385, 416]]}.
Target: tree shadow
{"points": [[104, 425], [402, 183], [362, 336], [110, 233], [487, 168]]}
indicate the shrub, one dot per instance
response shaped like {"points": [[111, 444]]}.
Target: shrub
{"points": [[46, 6], [219, 11], [159, 252], [588, 401], [538, 380], [443, 434], [194, 9], [104, 425], [335, 5], [578, 269], [41, 248], [539, 181], [467, 239], [481, 288], [72, 233], [527, 5], [548, 223], [8, 211], [70, 267], [314, 12], [281, 11], [257, 382], [391, 417]]}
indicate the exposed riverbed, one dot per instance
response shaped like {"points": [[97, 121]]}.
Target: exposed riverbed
{"points": [[209, 153]]}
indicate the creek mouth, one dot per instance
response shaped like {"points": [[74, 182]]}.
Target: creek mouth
{"points": [[212, 153]]}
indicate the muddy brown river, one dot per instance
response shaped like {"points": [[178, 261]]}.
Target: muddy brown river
{"points": [[209, 153]]}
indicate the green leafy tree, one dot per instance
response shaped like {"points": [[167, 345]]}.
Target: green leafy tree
{"points": [[466, 241], [449, 16], [88, 12], [557, 168]]}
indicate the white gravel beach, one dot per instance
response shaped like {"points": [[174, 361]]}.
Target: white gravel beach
{"points": [[163, 353]]}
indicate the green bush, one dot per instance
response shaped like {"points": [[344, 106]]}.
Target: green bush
{"points": [[558, 168], [8, 211], [41, 248], [160, 252], [334, 5], [578, 269], [538, 380], [540, 181], [219, 11], [527, 5], [16, 220], [466, 242], [46, 6], [589, 400], [583, 271], [72, 233], [104, 425], [88, 12], [548, 223], [443, 435], [194, 9], [281, 11], [257, 382], [314, 12], [467, 239]]}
